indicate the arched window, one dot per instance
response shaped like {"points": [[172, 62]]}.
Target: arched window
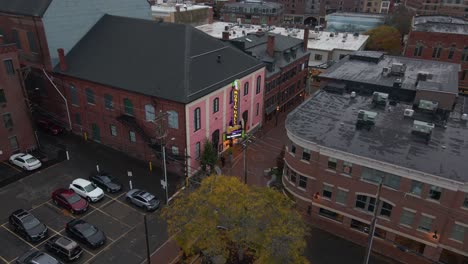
{"points": [[451, 52], [259, 83], [246, 88], [216, 105], [150, 113], [197, 118], [173, 119]]}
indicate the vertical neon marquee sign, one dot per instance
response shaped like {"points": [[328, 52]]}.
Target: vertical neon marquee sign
{"points": [[235, 107]]}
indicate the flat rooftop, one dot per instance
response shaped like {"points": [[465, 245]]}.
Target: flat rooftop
{"points": [[444, 74], [358, 15], [317, 41], [329, 120], [440, 24], [165, 8]]}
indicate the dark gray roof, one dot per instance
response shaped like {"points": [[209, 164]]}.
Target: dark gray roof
{"points": [[329, 120], [253, 4], [368, 72], [440, 24], [438, 19], [24, 7], [256, 45], [171, 61]]}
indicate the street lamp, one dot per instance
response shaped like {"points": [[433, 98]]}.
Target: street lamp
{"points": [[165, 185]]}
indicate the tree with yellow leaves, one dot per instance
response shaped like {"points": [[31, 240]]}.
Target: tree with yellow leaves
{"points": [[226, 219], [384, 38]]}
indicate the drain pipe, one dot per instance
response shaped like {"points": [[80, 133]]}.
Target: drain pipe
{"points": [[63, 97]]}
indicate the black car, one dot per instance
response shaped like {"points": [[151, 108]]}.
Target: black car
{"points": [[36, 257], [86, 233], [27, 225], [106, 182], [64, 247]]}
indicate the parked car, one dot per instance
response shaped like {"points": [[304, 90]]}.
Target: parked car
{"points": [[64, 247], [49, 126], [106, 182], [27, 225], [87, 190], [25, 161], [36, 257], [86, 233], [69, 200], [143, 199]]}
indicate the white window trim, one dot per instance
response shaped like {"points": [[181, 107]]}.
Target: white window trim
{"points": [[343, 189], [410, 210]]}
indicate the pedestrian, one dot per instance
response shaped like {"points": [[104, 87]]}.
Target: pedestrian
{"points": [[223, 160]]}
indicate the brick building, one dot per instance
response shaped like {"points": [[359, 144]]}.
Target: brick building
{"points": [[16, 131], [456, 8], [255, 13], [384, 119], [440, 38], [127, 96]]}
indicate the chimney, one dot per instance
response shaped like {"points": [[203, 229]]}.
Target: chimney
{"points": [[306, 39], [177, 8], [210, 15], [62, 62], [225, 35], [271, 45]]}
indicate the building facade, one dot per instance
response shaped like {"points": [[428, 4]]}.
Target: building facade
{"points": [[255, 13], [378, 120], [455, 8], [183, 13], [16, 131], [440, 38]]}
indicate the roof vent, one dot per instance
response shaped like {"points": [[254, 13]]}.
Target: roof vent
{"points": [[423, 129], [464, 117], [386, 71], [353, 94], [356, 34], [424, 76], [398, 83], [379, 99], [332, 35], [408, 112], [366, 119], [398, 69]]}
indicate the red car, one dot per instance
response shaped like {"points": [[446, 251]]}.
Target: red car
{"points": [[69, 200], [49, 127]]}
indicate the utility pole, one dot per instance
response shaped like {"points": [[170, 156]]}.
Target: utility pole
{"points": [[373, 224], [148, 256], [244, 152], [165, 173]]}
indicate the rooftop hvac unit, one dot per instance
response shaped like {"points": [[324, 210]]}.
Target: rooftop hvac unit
{"points": [[353, 94], [422, 128], [398, 83], [379, 98], [428, 105], [424, 76], [408, 113], [398, 69], [385, 71], [464, 117], [366, 118]]}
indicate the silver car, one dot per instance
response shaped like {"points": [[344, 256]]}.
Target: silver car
{"points": [[143, 199]]}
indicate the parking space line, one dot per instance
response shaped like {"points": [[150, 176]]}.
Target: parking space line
{"points": [[89, 252], [111, 216], [31, 245], [8, 164], [131, 207], [13, 260], [41, 204], [111, 199], [4, 260]]}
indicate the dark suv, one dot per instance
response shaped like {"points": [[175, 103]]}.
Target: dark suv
{"points": [[64, 247], [86, 233], [36, 257], [27, 225]]}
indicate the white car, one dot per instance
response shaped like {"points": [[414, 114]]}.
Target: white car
{"points": [[87, 190], [25, 161]]}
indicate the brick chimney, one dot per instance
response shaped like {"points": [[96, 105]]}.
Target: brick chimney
{"points": [[62, 62], [225, 35], [306, 39], [271, 45]]}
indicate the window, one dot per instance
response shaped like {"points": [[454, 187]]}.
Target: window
{"points": [[13, 143], [197, 150], [302, 181], [306, 154], [418, 50], [231, 96], [2, 96], [407, 217], [318, 57], [108, 103], [458, 233], [465, 201], [425, 223], [416, 187], [451, 52], [435, 192], [332, 163], [113, 130], [77, 119], [173, 119], [386, 209], [257, 109], [259, 85], [197, 118], [436, 52], [15, 38], [90, 96], [10, 70], [32, 42], [327, 191], [365, 203], [389, 180], [293, 177], [175, 150], [465, 54], [128, 106], [347, 167], [7, 120], [246, 88], [363, 227], [293, 148], [341, 196], [73, 95], [132, 136], [330, 214], [150, 113], [216, 105]]}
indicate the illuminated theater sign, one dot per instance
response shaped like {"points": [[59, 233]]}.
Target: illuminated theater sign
{"points": [[236, 130]]}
